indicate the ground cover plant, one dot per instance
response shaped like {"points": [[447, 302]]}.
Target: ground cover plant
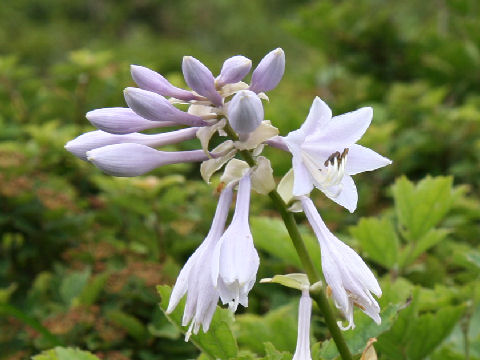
{"points": [[82, 253]]}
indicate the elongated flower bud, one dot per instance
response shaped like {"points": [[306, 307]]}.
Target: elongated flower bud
{"points": [[96, 139], [200, 79], [269, 71], [155, 107], [119, 120], [302, 351], [150, 80], [136, 159], [234, 70], [245, 112]]}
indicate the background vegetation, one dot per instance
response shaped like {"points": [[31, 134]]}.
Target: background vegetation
{"points": [[82, 252]]}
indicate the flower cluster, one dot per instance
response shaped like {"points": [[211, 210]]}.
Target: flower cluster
{"points": [[324, 156]]}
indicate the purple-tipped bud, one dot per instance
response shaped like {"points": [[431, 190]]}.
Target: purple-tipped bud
{"points": [[96, 139], [245, 112], [234, 70], [155, 107], [152, 81], [122, 121], [135, 159], [200, 79], [269, 71]]}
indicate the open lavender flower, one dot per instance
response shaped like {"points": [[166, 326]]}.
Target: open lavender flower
{"points": [[349, 278], [235, 259], [195, 279], [325, 153]]}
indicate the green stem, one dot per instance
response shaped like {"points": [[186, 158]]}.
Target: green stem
{"points": [[307, 263]]}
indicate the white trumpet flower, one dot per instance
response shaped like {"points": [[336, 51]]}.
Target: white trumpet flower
{"points": [[236, 260], [321, 147], [302, 351], [195, 279], [347, 275]]}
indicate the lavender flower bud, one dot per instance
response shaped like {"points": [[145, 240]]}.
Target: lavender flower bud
{"points": [[152, 81], [200, 79], [135, 159], [245, 112], [234, 70], [155, 107], [122, 121], [269, 71], [96, 139]]}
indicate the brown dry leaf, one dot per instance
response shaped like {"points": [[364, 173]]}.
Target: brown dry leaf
{"points": [[369, 353]]}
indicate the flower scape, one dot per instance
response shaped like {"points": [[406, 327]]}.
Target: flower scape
{"points": [[324, 156]]}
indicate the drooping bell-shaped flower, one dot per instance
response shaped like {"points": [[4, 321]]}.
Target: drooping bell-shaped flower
{"points": [[150, 80], [268, 72], [96, 139], [325, 153], [233, 70], [136, 159], [245, 112], [120, 121], [200, 79], [152, 106], [347, 275], [302, 351], [236, 260], [195, 278]]}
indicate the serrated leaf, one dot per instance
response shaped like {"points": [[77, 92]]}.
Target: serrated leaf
{"points": [[378, 239], [413, 250], [218, 342]]}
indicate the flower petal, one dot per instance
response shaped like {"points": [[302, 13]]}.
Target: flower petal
{"points": [[348, 196], [341, 132], [362, 159]]}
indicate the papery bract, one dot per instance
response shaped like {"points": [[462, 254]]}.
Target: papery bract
{"points": [[349, 278], [136, 159]]}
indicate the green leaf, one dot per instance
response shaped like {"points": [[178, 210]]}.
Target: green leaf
{"points": [[72, 285], [218, 342], [278, 326], [273, 354], [61, 353], [421, 207], [413, 250], [92, 291], [416, 335], [130, 324], [378, 239], [272, 237], [365, 328]]}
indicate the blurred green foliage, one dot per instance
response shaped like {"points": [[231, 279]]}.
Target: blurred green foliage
{"points": [[81, 252]]}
